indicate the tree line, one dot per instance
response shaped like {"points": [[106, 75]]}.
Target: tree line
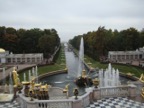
{"points": [[29, 40], [98, 43]]}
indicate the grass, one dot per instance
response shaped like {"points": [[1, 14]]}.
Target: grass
{"points": [[58, 65], [122, 68]]}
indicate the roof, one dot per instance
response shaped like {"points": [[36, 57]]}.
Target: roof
{"points": [[2, 50], [125, 52], [33, 55]]}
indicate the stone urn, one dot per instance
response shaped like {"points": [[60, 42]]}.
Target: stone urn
{"points": [[95, 82], [76, 92]]}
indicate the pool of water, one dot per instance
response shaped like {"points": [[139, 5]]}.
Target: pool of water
{"points": [[60, 80]]}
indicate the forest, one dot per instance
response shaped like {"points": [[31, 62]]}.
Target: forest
{"points": [[98, 43], [29, 40]]}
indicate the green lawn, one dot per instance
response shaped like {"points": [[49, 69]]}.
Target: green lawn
{"points": [[122, 68], [58, 65]]}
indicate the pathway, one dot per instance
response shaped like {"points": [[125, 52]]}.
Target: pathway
{"points": [[117, 102]]}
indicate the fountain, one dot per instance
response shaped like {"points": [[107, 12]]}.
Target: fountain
{"points": [[29, 74], [81, 58], [36, 74], [7, 94], [24, 77], [3, 75], [33, 72], [10, 84], [82, 79], [109, 77], [80, 90]]}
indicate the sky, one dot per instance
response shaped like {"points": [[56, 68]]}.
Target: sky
{"points": [[72, 17]]}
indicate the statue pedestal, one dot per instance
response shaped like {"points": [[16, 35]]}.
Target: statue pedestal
{"points": [[26, 88], [15, 91]]}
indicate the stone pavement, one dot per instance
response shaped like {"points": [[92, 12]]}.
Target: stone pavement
{"points": [[117, 102]]}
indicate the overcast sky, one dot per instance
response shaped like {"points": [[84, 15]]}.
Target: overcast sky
{"points": [[72, 17]]}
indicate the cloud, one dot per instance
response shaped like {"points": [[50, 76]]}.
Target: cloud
{"points": [[72, 17]]}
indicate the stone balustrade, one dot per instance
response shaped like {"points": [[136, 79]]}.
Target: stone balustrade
{"points": [[114, 91], [92, 94], [120, 91], [63, 103]]}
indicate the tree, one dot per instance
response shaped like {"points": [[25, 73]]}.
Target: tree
{"points": [[129, 39], [46, 44]]}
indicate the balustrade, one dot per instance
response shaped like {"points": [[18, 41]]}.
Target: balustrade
{"points": [[82, 101], [114, 91], [54, 104]]}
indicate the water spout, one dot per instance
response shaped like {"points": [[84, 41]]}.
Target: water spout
{"points": [[10, 84], [24, 77], [81, 58], [109, 77], [3, 75], [36, 72], [29, 75]]}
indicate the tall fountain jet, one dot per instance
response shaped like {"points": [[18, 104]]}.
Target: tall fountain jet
{"points": [[81, 58], [10, 84], [3, 75]]}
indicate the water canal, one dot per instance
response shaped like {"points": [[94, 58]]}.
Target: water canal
{"points": [[60, 80]]}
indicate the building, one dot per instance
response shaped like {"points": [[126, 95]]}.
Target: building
{"points": [[6, 57], [126, 56]]}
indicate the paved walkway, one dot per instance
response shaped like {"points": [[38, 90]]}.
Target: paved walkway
{"points": [[20, 67], [117, 102]]}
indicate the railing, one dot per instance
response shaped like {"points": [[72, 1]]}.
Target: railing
{"points": [[114, 91], [54, 103], [82, 101], [61, 103], [86, 100]]}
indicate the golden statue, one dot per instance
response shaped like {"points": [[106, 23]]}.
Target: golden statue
{"points": [[15, 77], [66, 89], [141, 78], [83, 74], [32, 84], [46, 89]]}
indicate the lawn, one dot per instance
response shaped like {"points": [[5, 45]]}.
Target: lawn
{"points": [[122, 68], [59, 64]]}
